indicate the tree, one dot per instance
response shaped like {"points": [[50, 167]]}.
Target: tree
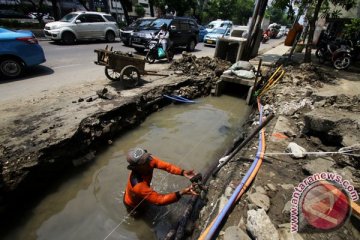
{"points": [[352, 30], [140, 11], [180, 7], [84, 4], [316, 5], [39, 9], [243, 11], [55, 9], [277, 15], [126, 6]]}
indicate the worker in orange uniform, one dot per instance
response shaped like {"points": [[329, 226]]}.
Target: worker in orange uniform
{"points": [[138, 191]]}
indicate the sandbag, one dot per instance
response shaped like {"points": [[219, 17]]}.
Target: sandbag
{"points": [[242, 65], [244, 74]]}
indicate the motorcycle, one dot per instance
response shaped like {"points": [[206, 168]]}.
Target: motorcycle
{"points": [[324, 40], [271, 32], [344, 56], [265, 36], [156, 52], [327, 51]]}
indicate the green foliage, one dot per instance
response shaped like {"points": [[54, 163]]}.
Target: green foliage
{"points": [[140, 11], [352, 30], [243, 11], [310, 5], [277, 15], [238, 11]]}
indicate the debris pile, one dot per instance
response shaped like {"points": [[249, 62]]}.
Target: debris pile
{"points": [[191, 65], [316, 116], [309, 74]]}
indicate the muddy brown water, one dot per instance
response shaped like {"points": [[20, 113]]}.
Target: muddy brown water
{"points": [[89, 205]]}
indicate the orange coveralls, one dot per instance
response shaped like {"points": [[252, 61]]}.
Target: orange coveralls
{"points": [[138, 186]]}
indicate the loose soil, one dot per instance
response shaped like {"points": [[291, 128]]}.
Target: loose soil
{"points": [[60, 130]]}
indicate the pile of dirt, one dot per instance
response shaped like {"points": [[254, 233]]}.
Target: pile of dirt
{"points": [[191, 65]]}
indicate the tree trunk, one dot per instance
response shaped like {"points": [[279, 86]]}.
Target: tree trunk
{"points": [[83, 3], [126, 14], [56, 13], [312, 22], [151, 6]]}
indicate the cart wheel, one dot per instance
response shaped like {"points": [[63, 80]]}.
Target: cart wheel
{"points": [[112, 74], [130, 76]]}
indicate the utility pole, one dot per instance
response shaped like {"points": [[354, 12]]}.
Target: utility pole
{"points": [[254, 28]]}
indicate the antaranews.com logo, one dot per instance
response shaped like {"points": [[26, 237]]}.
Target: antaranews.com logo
{"points": [[321, 202]]}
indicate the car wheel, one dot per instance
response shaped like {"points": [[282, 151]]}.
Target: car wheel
{"points": [[68, 38], [139, 50], [11, 68], [191, 46], [110, 36]]}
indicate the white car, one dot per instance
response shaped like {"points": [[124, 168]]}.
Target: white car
{"points": [[82, 26]]}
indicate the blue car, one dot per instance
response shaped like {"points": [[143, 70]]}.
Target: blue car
{"points": [[202, 33], [211, 38], [19, 49]]}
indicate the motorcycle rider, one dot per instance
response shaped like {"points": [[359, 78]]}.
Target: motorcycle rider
{"points": [[163, 37]]}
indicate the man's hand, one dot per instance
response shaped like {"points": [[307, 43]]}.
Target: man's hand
{"points": [[188, 191], [189, 173]]}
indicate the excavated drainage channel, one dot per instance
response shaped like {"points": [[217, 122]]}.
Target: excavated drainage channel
{"points": [[89, 204]]}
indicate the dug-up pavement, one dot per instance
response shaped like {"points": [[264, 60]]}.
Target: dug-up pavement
{"points": [[316, 109]]}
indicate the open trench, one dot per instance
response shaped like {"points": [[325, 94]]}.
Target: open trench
{"points": [[58, 201]]}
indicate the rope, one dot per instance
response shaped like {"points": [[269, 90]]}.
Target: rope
{"points": [[343, 152], [163, 179]]}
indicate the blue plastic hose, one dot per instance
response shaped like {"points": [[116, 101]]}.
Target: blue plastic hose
{"points": [[179, 99]]}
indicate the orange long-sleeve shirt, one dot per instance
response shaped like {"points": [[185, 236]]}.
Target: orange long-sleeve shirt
{"points": [[138, 186]]}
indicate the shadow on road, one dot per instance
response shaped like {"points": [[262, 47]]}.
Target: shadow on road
{"points": [[83, 42], [29, 73]]}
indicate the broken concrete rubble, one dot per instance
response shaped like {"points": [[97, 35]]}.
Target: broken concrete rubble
{"points": [[309, 122]]}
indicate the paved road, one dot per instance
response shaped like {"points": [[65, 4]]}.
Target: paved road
{"points": [[67, 65]]}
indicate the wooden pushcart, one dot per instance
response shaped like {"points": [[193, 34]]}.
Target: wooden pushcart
{"points": [[124, 67]]}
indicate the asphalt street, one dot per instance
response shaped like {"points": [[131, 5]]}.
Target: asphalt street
{"points": [[73, 65]]}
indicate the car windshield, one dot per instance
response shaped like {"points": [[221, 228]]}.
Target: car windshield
{"points": [[156, 24], [141, 23], [69, 17], [219, 30]]}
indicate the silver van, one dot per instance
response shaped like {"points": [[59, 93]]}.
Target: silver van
{"points": [[82, 26]]}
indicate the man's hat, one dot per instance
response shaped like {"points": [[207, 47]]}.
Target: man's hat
{"points": [[137, 156]]}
